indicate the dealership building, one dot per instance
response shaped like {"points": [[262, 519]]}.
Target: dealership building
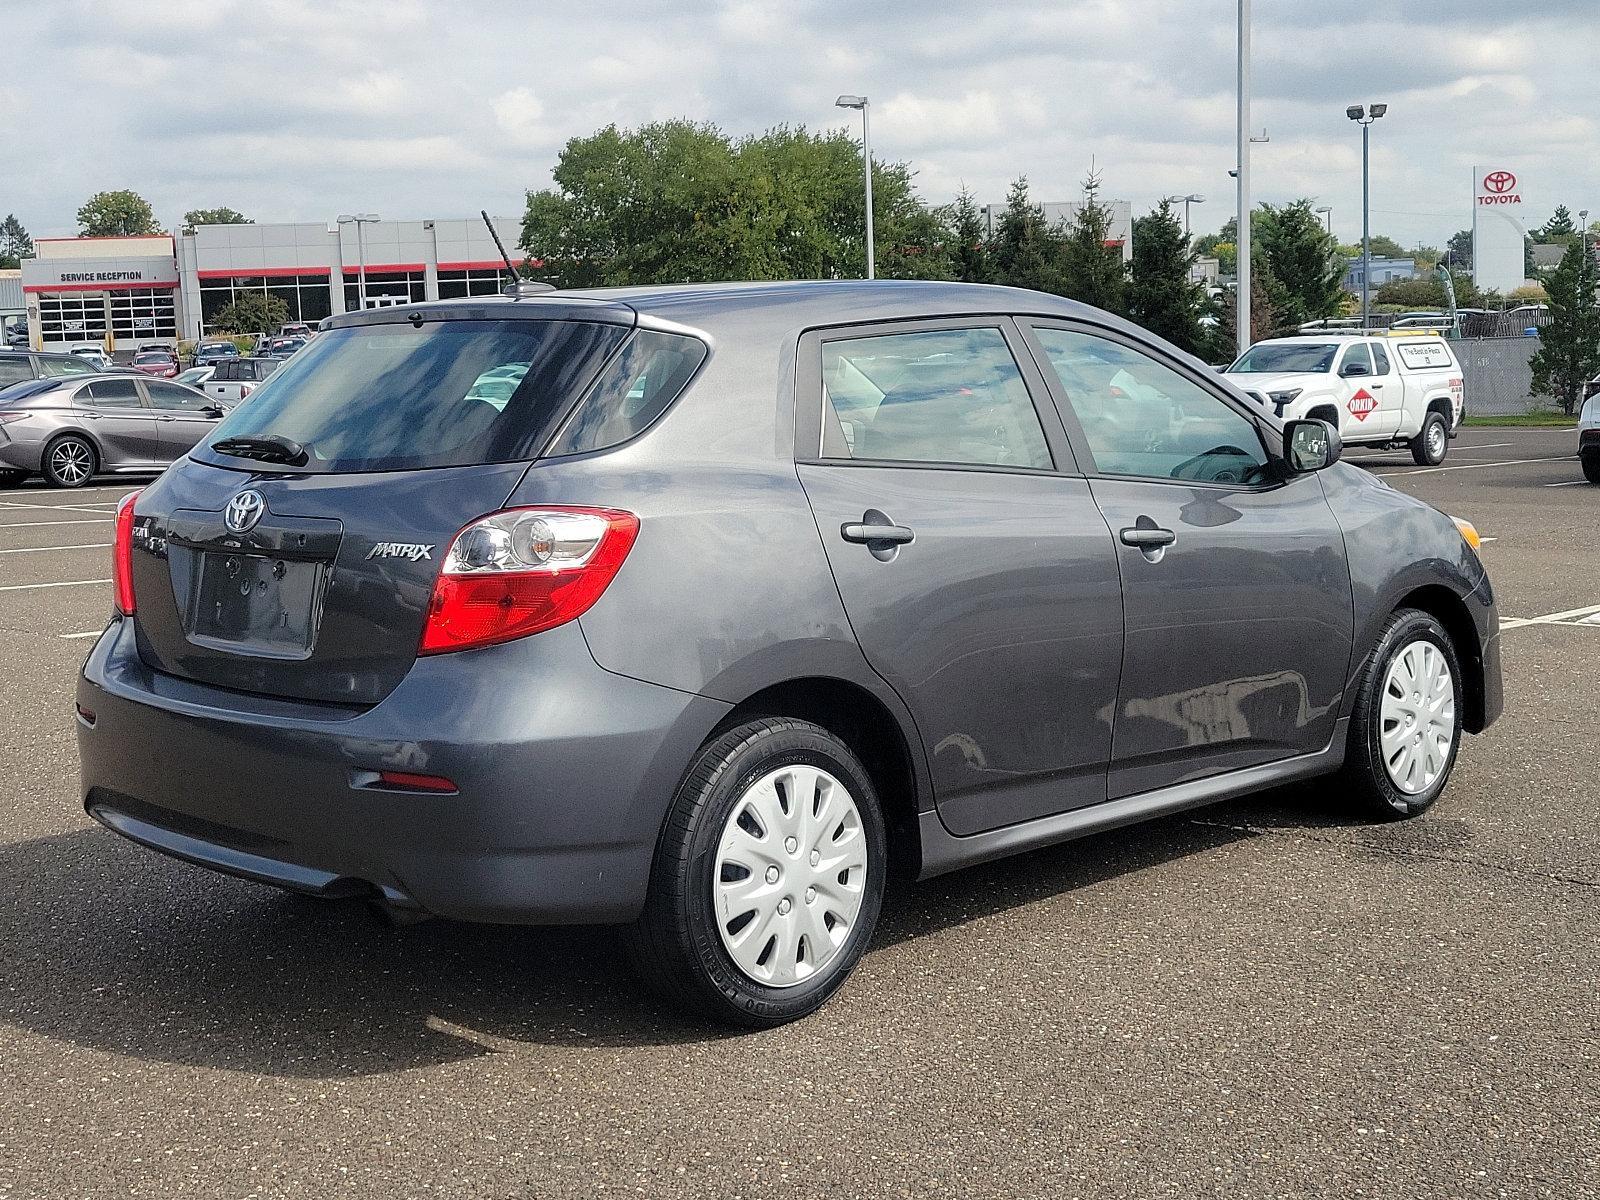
{"points": [[128, 290]]}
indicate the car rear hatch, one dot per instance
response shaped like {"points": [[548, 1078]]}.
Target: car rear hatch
{"points": [[295, 552]]}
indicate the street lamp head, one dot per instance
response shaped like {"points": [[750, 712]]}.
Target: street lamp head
{"points": [[850, 102], [1326, 208], [1355, 112], [1377, 110], [1195, 199]]}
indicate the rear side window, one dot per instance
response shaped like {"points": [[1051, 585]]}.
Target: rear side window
{"points": [[1380, 359], [443, 393], [67, 366], [635, 388], [114, 393], [940, 396], [14, 370]]}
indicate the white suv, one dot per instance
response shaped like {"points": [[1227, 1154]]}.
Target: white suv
{"points": [[1377, 391]]}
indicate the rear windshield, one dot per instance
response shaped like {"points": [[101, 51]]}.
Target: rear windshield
{"points": [[440, 394], [1286, 357]]}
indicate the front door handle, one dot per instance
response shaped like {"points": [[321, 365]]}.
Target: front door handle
{"points": [[867, 535], [1147, 538], [166, 418]]}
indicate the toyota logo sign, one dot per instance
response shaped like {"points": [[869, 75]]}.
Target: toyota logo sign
{"points": [[243, 511], [1499, 181]]}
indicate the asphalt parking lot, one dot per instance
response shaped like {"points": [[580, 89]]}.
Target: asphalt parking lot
{"points": [[1264, 999]]}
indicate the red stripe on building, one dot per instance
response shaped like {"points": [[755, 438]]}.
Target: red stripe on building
{"points": [[488, 264], [263, 272], [95, 287], [351, 270]]}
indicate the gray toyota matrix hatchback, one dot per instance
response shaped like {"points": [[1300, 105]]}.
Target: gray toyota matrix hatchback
{"points": [[695, 608]]}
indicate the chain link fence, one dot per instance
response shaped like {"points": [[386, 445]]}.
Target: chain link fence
{"points": [[1498, 377]]}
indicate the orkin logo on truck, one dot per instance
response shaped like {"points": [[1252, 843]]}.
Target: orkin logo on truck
{"points": [[1361, 404], [1499, 187]]}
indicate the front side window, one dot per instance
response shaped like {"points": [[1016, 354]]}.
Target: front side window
{"points": [[170, 396], [66, 366], [937, 396], [1142, 418], [1356, 356], [114, 393]]}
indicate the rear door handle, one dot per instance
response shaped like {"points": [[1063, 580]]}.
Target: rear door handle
{"points": [[1147, 538], [867, 535], [166, 418]]}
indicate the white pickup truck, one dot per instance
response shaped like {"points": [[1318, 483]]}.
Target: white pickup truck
{"points": [[1403, 390]]}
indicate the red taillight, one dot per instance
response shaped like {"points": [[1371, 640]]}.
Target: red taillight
{"points": [[122, 556], [245, 389], [7, 417], [522, 571]]}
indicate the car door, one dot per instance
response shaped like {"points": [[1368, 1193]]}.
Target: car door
{"points": [[183, 416], [114, 413], [977, 574], [1235, 591], [1388, 388], [1359, 416]]}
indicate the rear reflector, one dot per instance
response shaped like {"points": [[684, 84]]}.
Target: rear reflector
{"points": [[407, 781], [524, 570], [122, 557]]}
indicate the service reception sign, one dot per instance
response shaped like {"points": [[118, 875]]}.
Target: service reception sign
{"points": [[1498, 230]]}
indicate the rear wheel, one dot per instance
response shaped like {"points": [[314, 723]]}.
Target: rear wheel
{"points": [[767, 879], [1431, 444], [1406, 727], [69, 461], [1591, 466]]}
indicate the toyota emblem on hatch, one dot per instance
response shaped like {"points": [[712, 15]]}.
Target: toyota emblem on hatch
{"points": [[243, 511]]}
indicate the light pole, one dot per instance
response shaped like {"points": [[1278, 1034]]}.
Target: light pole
{"points": [[1187, 201], [1365, 117], [1326, 213], [1241, 297], [359, 220], [866, 168]]}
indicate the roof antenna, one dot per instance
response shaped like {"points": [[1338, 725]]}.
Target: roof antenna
{"points": [[518, 286]]}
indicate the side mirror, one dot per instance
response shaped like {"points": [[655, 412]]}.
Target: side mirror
{"points": [[1350, 370], [1311, 445], [212, 410]]}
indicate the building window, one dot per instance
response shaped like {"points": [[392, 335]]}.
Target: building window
{"points": [[73, 317], [475, 282], [306, 296], [144, 316]]}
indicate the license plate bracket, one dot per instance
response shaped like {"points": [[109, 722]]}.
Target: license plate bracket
{"points": [[254, 604]]}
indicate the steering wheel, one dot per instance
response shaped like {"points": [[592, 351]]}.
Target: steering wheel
{"points": [[1193, 468]]}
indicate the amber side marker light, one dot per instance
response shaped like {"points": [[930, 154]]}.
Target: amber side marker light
{"points": [[1469, 532]]}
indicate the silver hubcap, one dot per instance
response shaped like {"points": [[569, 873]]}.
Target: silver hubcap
{"points": [[791, 871], [70, 462], [1418, 716], [1435, 440]]}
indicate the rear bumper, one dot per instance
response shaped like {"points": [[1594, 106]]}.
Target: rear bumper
{"points": [[564, 773], [20, 456]]}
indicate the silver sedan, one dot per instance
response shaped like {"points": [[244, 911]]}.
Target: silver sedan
{"points": [[69, 429]]}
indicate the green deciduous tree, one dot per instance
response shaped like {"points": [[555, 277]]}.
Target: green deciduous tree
{"points": [[1161, 294], [15, 244], [252, 312], [1569, 346], [1303, 258], [1459, 250], [213, 216], [677, 201], [1093, 271], [116, 214]]}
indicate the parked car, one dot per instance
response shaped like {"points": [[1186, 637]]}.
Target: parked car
{"points": [[19, 365], [1407, 390], [17, 334], [68, 429], [297, 329], [234, 379], [211, 350], [92, 353], [284, 347], [744, 594], [1589, 433], [161, 363]]}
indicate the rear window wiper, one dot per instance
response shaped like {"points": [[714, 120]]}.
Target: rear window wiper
{"points": [[267, 448]]}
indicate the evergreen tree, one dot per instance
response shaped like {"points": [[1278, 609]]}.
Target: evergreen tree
{"points": [[1091, 270], [969, 251], [1559, 228], [1569, 346], [1026, 252], [1304, 260], [15, 244], [1161, 294]]}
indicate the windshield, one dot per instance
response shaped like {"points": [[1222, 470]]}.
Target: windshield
{"points": [[152, 357], [1283, 358], [405, 397]]}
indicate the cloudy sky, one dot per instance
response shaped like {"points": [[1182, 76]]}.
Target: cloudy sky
{"points": [[302, 109]]}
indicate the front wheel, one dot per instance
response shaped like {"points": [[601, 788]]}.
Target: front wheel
{"points": [[1430, 445], [1591, 466], [1406, 727], [767, 878]]}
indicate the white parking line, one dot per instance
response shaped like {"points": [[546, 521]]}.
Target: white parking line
{"points": [[90, 633], [26, 587], [1569, 483], [74, 521], [42, 549], [1512, 462], [94, 508], [65, 494], [1573, 616]]}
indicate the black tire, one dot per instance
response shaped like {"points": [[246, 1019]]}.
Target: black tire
{"points": [[70, 461], [676, 945], [1365, 773], [1591, 466], [1432, 442]]}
